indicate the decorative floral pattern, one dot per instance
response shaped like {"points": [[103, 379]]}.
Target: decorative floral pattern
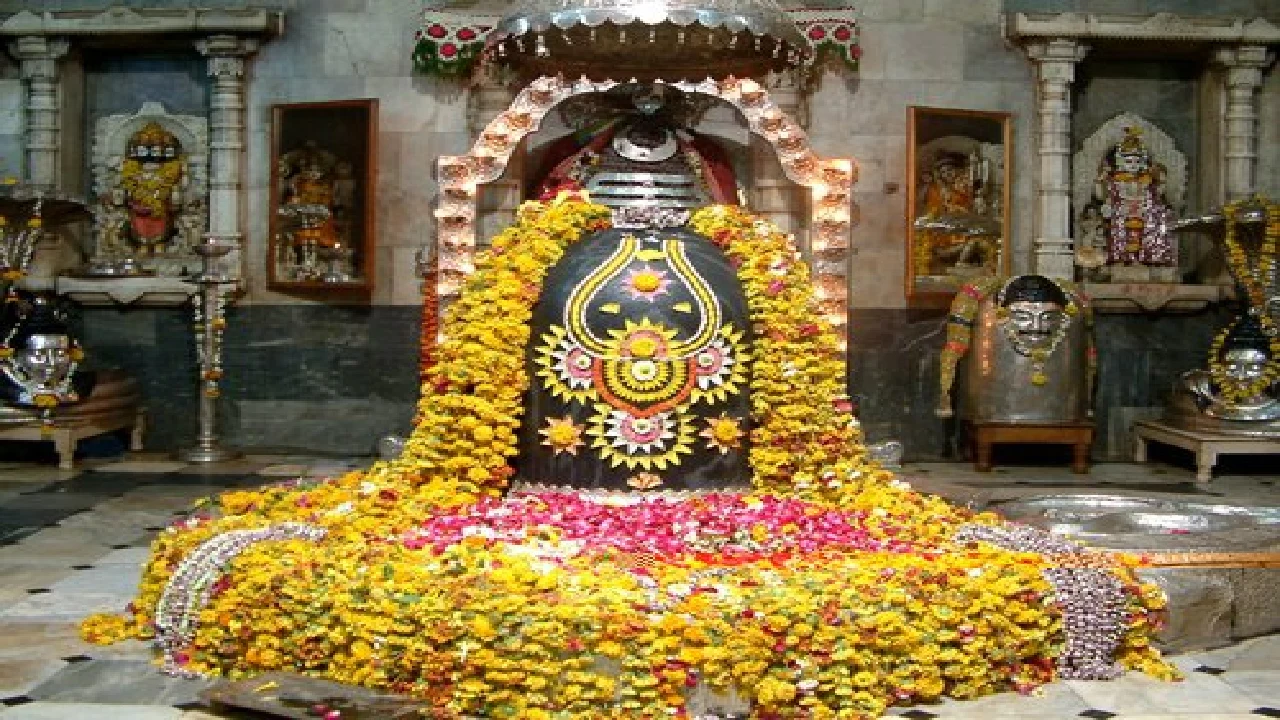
{"points": [[723, 433], [646, 283], [562, 435]]}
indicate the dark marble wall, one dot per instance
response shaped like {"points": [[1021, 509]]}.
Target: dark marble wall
{"points": [[314, 378], [334, 379]]}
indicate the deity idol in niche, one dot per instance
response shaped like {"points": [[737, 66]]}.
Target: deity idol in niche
{"points": [[641, 156], [153, 179], [1243, 379], [954, 201], [316, 188], [1129, 194]]}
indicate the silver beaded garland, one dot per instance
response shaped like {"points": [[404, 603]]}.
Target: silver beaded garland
{"points": [[1092, 600], [193, 582]]}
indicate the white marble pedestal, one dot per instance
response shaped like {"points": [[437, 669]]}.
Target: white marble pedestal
{"points": [[1206, 446]]}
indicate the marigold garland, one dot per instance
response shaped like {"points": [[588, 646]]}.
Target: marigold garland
{"points": [[1254, 280], [829, 593]]}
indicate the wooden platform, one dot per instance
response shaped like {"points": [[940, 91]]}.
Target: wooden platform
{"points": [[1205, 445], [114, 404], [986, 434]]}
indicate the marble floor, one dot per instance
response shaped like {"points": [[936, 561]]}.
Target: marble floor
{"points": [[72, 542]]}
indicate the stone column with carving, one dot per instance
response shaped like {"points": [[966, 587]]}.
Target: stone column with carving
{"points": [[1244, 65], [226, 55], [39, 57], [1055, 62]]}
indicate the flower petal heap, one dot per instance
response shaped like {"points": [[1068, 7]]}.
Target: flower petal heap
{"points": [[831, 591]]}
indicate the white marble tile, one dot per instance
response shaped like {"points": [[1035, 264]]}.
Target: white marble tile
{"points": [[142, 466], [1190, 716], [18, 675], [1054, 700], [62, 607], [115, 579], [50, 554], [1198, 693], [970, 11], [872, 11], [97, 711], [1263, 687], [922, 51], [367, 45], [1257, 654], [135, 556]]}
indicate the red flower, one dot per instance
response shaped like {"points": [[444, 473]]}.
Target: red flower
{"points": [[816, 33], [856, 52], [466, 34], [437, 31], [843, 33], [448, 50]]}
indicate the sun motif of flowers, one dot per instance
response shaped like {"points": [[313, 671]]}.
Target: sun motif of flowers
{"points": [[723, 433], [564, 366], [562, 435], [653, 442], [720, 367], [646, 283], [645, 339]]}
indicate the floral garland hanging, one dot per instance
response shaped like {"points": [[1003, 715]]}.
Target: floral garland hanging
{"points": [[963, 313]]}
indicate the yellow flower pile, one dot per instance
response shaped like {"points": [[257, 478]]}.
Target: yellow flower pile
{"points": [[537, 628]]}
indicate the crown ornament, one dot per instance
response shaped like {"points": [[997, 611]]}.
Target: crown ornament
{"points": [[649, 216], [154, 141]]}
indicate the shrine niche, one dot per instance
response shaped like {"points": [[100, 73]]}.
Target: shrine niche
{"points": [[322, 190], [1130, 183], [150, 184], [957, 200], [829, 182]]}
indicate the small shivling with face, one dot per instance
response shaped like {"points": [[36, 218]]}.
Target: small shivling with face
{"points": [[1243, 381], [38, 359], [1035, 312]]}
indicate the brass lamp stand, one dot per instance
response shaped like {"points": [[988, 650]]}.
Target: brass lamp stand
{"points": [[210, 321]]}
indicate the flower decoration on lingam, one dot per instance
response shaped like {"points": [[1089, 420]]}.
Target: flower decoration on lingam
{"points": [[421, 576], [645, 283], [562, 435], [723, 433], [642, 333]]}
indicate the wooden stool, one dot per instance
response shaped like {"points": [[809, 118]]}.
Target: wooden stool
{"points": [[1206, 446], [1078, 435]]}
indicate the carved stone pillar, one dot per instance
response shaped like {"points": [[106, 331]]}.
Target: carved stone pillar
{"points": [[39, 56], [226, 55], [1243, 77], [1055, 62]]}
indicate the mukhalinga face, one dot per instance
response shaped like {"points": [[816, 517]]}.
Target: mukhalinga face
{"points": [[1036, 323], [1245, 364], [46, 359]]}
